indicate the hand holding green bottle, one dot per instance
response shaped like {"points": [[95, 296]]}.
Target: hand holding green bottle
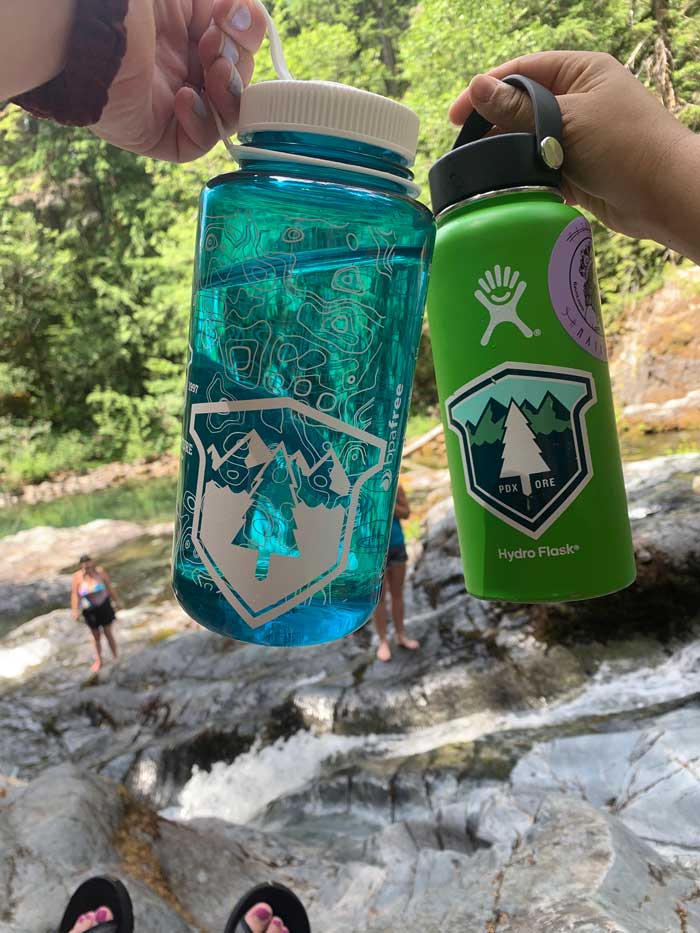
{"points": [[628, 159], [521, 369]]}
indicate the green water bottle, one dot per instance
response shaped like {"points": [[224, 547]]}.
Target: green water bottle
{"points": [[522, 373]]}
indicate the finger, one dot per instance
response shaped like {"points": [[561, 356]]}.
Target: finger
{"points": [[195, 71], [506, 107], [216, 44], [225, 82], [243, 20], [195, 132], [211, 46], [555, 70], [200, 20]]}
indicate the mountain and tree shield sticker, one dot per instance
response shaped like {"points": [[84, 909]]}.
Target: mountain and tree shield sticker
{"points": [[276, 501], [524, 441]]}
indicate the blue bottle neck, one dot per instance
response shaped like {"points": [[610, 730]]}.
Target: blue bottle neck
{"points": [[349, 152]]}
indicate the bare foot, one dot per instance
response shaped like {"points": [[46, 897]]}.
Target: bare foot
{"points": [[384, 651], [260, 920], [92, 919], [409, 643], [96, 667]]}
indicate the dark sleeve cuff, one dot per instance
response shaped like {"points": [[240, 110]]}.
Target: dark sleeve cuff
{"points": [[96, 47]]}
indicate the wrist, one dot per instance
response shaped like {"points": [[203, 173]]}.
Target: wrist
{"points": [[95, 49], [673, 211], [34, 40]]}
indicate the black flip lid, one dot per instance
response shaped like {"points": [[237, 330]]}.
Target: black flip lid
{"points": [[509, 160]]}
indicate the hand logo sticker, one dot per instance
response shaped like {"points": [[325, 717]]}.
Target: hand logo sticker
{"points": [[500, 292]]}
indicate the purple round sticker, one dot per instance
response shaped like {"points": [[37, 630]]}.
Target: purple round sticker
{"points": [[573, 287]]}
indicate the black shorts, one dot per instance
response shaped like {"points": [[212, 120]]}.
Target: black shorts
{"points": [[397, 554], [99, 616]]}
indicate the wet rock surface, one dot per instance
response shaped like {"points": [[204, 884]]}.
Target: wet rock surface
{"points": [[531, 768]]}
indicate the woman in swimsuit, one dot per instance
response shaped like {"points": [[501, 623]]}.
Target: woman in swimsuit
{"points": [[394, 577], [92, 595]]}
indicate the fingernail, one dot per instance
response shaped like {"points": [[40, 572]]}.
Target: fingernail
{"points": [[482, 88], [241, 18], [262, 913], [229, 51], [198, 106], [235, 85]]}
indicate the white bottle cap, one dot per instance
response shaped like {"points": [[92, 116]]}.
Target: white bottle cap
{"points": [[330, 109]]}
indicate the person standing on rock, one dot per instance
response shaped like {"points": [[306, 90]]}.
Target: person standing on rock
{"points": [[394, 578], [92, 594]]}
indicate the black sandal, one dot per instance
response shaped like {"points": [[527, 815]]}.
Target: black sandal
{"points": [[284, 903], [101, 891]]}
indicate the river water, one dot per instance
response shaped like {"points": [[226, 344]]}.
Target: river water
{"points": [[150, 500]]}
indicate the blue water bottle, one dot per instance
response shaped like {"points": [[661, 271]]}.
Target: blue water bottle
{"points": [[310, 281]]}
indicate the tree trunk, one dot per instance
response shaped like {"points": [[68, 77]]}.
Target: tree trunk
{"points": [[662, 58]]}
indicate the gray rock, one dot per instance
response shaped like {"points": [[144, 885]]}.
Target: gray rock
{"points": [[20, 601], [568, 867], [530, 768], [579, 869], [37, 552], [649, 777]]}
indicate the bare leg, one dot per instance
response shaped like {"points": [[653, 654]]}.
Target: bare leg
{"points": [[97, 645], [109, 635], [397, 575], [381, 620]]}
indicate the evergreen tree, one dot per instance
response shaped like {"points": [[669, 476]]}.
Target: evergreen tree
{"points": [[521, 455], [269, 522]]}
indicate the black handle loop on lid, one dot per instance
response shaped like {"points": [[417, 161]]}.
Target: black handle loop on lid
{"points": [[548, 123]]}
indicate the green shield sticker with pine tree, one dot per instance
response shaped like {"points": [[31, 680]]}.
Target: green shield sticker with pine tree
{"points": [[524, 442]]}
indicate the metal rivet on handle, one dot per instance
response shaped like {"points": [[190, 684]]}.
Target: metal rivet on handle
{"points": [[551, 152]]}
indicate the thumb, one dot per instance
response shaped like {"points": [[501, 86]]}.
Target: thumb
{"points": [[506, 107]]}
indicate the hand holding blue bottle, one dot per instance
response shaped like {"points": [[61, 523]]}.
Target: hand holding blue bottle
{"points": [[308, 300]]}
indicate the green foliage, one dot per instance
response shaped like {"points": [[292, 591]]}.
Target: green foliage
{"points": [[627, 269], [96, 244], [424, 398], [30, 454]]}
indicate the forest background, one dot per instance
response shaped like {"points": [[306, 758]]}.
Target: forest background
{"points": [[96, 244]]}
